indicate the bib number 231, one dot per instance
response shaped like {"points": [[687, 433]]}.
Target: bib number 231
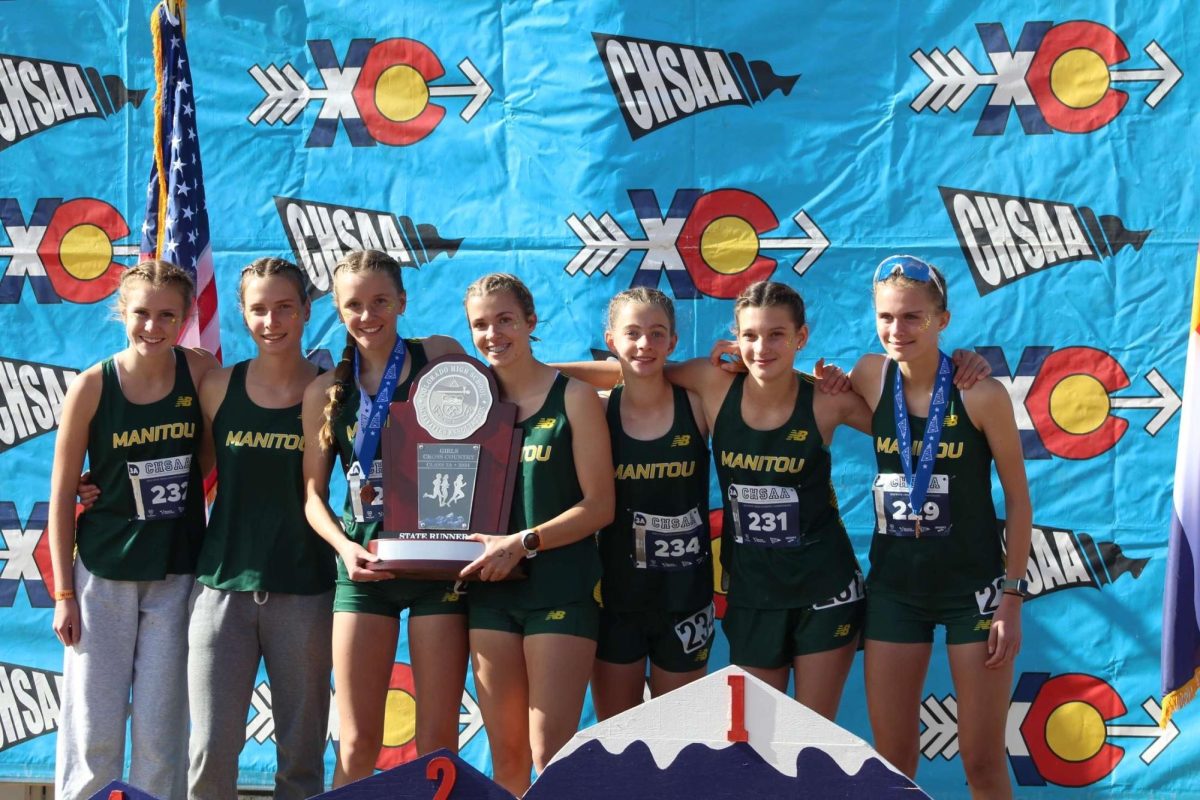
{"points": [[160, 486], [766, 516]]}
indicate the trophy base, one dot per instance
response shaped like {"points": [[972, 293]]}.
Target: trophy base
{"points": [[430, 555]]}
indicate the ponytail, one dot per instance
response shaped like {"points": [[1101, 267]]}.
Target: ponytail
{"points": [[343, 377]]}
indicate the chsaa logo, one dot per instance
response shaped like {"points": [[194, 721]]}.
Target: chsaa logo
{"points": [[67, 251], [382, 92], [1058, 77], [25, 556], [1059, 729], [1064, 404], [708, 243], [39, 95], [31, 399], [1006, 238], [657, 83], [321, 233], [31, 699], [1063, 559]]}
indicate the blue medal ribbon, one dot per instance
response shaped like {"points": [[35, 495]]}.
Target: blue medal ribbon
{"points": [[373, 411], [918, 484]]}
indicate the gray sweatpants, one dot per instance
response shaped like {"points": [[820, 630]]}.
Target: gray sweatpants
{"points": [[132, 640], [228, 634]]}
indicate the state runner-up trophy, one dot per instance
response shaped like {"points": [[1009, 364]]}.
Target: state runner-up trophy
{"points": [[450, 461]]}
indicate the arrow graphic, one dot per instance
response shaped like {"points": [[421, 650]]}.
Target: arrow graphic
{"points": [[1167, 74], [952, 80], [1161, 736], [815, 243], [470, 718], [479, 90], [604, 244], [287, 94], [1167, 402], [262, 725], [940, 718]]}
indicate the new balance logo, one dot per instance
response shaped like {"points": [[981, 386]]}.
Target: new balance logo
{"points": [[544, 423], [797, 436], [183, 401], [682, 441], [556, 616]]}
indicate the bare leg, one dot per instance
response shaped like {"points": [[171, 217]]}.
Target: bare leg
{"points": [[498, 659], [895, 675], [437, 647], [559, 667], [983, 699], [662, 681], [364, 649], [820, 678], [777, 677], [617, 687]]}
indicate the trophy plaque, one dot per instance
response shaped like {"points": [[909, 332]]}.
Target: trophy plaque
{"points": [[450, 461]]}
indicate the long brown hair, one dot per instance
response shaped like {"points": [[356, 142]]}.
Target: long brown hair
{"points": [[354, 262], [765, 294]]}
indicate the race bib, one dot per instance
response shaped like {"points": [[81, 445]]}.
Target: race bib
{"points": [[696, 631], [366, 492], [893, 515], [666, 543], [851, 594], [160, 486], [765, 516], [988, 598]]}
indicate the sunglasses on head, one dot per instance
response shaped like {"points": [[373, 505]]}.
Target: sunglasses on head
{"points": [[910, 267]]}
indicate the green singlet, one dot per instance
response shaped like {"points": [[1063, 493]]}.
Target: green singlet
{"points": [[657, 552], [969, 556], [258, 539], [362, 519], [149, 519], [546, 486], [783, 542]]}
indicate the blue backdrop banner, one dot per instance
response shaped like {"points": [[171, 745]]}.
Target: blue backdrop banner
{"points": [[1046, 161]]}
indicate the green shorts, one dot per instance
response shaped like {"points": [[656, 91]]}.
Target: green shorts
{"points": [[389, 598], [768, 638], [674, 641], [580, 618], [908, 619]]}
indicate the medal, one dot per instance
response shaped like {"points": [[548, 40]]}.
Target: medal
{"points": [[918, 479], [367, 494]]}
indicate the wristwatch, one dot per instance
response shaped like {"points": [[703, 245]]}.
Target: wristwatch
{"points": [[1017, 586], [531, 541]]}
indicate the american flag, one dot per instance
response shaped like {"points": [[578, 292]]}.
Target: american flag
{"points": [[176, 224]]}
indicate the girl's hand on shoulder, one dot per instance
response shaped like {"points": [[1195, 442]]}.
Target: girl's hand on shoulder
{"points": [[66, 621], [969, 368], [501, 554], [830, 378], [725, 355], [1004, 638], [357, 558]]}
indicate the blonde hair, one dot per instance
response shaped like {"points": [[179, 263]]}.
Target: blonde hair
{"points": [[641, 295], [496, 282], [935, 287], [159, 275], [268, 267], [353, 263]]}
